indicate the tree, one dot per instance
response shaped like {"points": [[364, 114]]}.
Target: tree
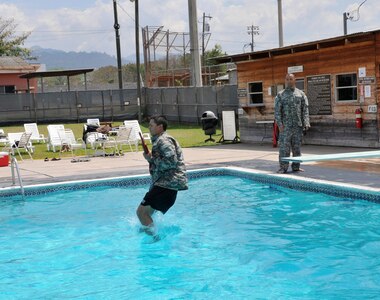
{"points": [[10, 43], [215, 52], [104, 75]]}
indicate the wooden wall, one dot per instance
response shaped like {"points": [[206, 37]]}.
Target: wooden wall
{"points": [[335, 129]]}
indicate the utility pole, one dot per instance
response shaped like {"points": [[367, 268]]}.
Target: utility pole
{"points": [[253, 30], [280, 33], [118, 52], [196, 74], [137, 42], [205, 28]]}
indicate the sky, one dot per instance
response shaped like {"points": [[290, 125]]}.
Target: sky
{"points": [[85, 25]]}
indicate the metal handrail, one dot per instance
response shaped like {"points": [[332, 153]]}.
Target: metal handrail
{"points": [[14, 165]]}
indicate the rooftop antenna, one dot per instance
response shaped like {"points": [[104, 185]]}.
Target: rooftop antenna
{"points": [[352, 15]]}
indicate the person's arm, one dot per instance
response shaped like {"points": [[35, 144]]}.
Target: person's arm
{"points": [[148, 156], [305, 112], [278, 112]]}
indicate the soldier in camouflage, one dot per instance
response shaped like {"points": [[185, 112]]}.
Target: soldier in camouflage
{"points": [[167, 168], [292, 116]]}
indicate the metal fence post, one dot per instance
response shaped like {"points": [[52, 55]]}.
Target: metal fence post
{"points": [[178, 110], [197, 105], [111, 101], [162, 105], [217, 102], [76, 105], [35, 106], [103, 105]]}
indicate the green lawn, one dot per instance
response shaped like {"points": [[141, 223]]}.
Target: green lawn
{"points": [[187, 136]]}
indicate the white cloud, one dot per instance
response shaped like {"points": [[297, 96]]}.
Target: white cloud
{"points": [[91, 29]]}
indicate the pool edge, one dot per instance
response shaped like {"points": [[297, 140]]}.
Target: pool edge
{"points": [[288, 180]]}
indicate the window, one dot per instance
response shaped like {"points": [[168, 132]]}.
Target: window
{"points": [[7, 89], [300, 84], [255, 92], [346, 87]]}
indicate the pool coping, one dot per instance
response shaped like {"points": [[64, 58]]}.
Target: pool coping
{"points": [[289, 181]]}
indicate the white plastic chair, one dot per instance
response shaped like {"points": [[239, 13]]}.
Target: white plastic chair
{"points": [[68, 138], [123, 137], [94, 138], [54, 139], [20, 140], [36, 136], [135, 137], [3, 138], [104, 142]]}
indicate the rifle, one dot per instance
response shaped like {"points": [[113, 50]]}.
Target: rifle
{"points": [[145, 147]]}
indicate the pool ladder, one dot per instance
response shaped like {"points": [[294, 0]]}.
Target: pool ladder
{"points": [[14, 165]]}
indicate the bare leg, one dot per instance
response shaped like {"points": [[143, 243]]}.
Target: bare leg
{"points": [[144, 213]]}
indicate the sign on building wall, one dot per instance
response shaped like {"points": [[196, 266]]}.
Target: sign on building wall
{"points": [[242, 93], [295, 69], [367, 80], [319, 94]]}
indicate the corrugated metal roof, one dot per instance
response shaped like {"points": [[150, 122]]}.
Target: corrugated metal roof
{"points": [[12, 63], [56, 73], [313, 45]]}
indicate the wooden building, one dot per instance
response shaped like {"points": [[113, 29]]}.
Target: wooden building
{"points": [[338, 75]]}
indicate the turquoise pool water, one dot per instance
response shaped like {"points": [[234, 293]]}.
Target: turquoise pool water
{"points": [[225, 237]]}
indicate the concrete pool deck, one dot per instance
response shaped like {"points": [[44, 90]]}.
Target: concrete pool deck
{"points": [[361, 172]]}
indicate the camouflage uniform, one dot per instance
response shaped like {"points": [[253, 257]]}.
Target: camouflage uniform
{"points": [[291, 111], [166, 165]]}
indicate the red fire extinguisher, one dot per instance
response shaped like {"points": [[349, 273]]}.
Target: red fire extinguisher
{"points": [[358, 118]]}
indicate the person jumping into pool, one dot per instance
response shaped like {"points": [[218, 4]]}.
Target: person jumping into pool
{"points": [[167, 168]]}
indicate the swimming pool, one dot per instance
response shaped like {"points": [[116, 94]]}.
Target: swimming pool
{"points": [[233, 234]]}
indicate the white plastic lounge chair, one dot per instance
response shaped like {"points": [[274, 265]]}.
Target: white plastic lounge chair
{"points": [[3, 138], [20, 140], [123, 137], [135, 137], [36, 136], [93, 138], [93, 122], [68, 139], [54, 140]]}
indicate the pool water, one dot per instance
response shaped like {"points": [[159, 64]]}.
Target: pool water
{"points": [[225, 237]]}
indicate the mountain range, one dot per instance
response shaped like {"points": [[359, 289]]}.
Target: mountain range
{"points": [[58, 59]]}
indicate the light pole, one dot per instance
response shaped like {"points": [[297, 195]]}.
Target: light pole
{"points": [[118, 52], [137, 29], [196, 72], [280, 32]]}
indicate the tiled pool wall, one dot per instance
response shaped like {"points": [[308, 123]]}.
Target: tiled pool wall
{"points": [[288, 182]]}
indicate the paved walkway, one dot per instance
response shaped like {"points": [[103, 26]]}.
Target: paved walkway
{"points": [[365, 172]]}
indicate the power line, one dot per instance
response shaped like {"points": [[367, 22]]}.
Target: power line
{"points": [[122, 8], [66, 31]]}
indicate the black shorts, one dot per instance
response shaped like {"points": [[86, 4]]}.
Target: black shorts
{"points": [[160, 198]]}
